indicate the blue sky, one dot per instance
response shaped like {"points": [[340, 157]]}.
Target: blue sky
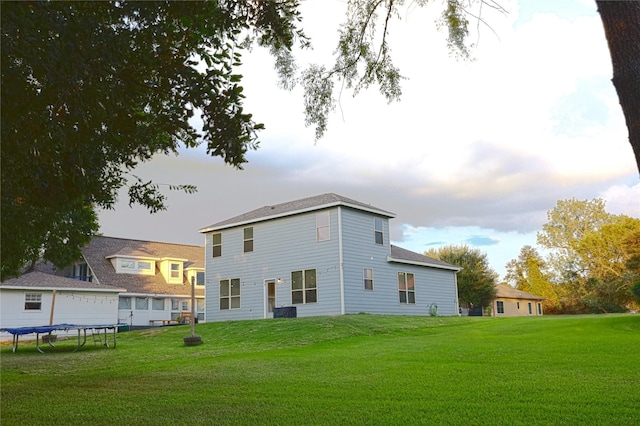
{"points": [[475, 153]]}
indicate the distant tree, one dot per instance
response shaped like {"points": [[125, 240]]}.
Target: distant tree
{"points": [[529, 273], [91, 89], [593, 253], [476, 280]]}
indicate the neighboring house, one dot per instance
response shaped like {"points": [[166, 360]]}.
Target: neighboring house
{"points": [[510, 302], [37, 298], [324, 255], [157, 277]]}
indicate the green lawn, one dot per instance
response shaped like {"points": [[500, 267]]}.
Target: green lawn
{"points": [[357, 369]]}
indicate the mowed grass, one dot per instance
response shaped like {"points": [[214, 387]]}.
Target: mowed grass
{"points": [[356, 369]]}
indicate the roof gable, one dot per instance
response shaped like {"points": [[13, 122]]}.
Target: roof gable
{"points": [[291, 208]]}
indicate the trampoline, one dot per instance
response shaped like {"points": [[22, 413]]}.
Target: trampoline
{"points": [[82, 329]]}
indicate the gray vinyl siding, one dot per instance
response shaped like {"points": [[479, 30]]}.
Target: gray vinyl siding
{"points": [[360, 251], [280, 247]]}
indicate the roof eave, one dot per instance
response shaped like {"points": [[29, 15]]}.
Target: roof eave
{"points": [[430, 265], [295, 212]]}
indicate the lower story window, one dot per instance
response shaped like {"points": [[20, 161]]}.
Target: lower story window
{"points": [[303, 287], [124, 303], [142, 303], [157, 304], [368, 279], [230, 294], [539, 308], [406, 287], [500, 307], [33, 301]]}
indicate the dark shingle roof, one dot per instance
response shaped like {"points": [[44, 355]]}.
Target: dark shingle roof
{"points": [[97, 252], [508, 292], [398, 254], [41, 280], [295, 207]]}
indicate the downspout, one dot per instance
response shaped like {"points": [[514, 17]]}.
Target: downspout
{"points": [[342, 309]]}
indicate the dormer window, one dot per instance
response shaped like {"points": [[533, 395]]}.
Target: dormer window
{"points": [[176, 270], [135, 266]]}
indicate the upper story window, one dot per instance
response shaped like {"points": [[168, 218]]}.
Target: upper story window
{"points": [[378, 230], [144, 265], [217, 244], [323, 229], [134, 266], [406, 287], [33, 301], [248, 240], [127, 264], [175, 271], [199, 278]]}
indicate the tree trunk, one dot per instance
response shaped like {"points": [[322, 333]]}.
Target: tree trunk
{"points": [[621, 21]]}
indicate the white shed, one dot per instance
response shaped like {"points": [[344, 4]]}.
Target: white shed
{"points": [[37, 299]]}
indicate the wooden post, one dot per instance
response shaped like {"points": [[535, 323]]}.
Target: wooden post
{"points": [[193, 306], [53, 304]]}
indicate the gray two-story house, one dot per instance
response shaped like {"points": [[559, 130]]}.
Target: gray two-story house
{"points": [[323, 255]]}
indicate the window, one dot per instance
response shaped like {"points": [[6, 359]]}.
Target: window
{"points": [[124, 303], [368, 279], [128, 264], [230, 294], [323, 230], [32, 301], [518, 305], [200, 309], [145, 266], [406, 287], [175, 304], [500, 306], [142, 303], [529, 308], [248, 240], [539, 308], [157, 304], [175, 271], [199, 278], [303, 287], [217, 245], [185, 305], [378, 231]]}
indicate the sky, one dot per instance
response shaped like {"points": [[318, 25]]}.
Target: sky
{"points": [[476, 152]]}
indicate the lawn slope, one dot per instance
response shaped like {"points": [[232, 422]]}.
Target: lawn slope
{"points": [[356, 369]]}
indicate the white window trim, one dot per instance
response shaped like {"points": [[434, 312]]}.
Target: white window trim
{"points": [[364, 279], [36, 298], [377, 231], [326, 226], [304, 287]]}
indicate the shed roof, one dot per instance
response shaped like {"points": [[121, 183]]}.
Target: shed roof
{"points": [[290, 208]]}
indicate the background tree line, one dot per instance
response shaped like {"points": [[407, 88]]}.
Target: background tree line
{"points": [[592, 262]]}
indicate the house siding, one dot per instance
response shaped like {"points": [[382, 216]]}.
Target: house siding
{"points": [[286, 243], [71, 307], [360, 252], [280, 246]]}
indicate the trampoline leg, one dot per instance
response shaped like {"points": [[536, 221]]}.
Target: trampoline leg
{"points": [[38, 343], [15, 342]]}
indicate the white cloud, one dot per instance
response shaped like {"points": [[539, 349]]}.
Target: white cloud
{"points": [[479, 148]]}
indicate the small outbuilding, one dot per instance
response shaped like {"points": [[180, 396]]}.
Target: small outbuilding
{"points": [[37, 299], [511, 302]]}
